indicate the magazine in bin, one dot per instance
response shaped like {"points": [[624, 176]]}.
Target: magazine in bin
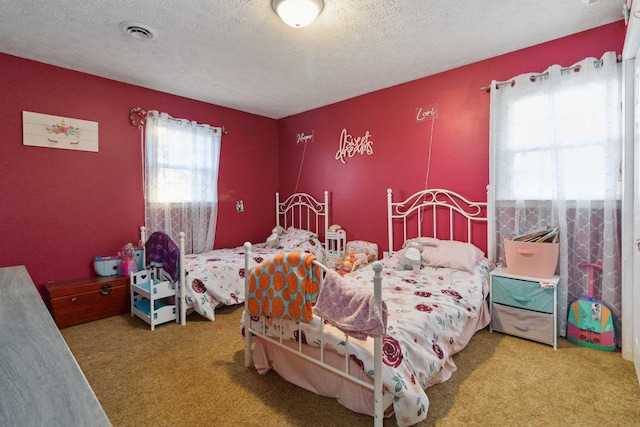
{"points": [[533, 254]]}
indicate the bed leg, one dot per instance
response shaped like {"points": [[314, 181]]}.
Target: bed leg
{"points": [[377, 351], [247, 341], [247, 317], [182, 284]]}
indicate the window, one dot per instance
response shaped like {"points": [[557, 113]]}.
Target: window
{"points": [[181, 179], [185, 167], [566, 140]]}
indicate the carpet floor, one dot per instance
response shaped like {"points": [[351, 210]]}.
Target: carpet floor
{"points": [[194, 375]]}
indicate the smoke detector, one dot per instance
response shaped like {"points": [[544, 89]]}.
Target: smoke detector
{"points": [[138, 31]]}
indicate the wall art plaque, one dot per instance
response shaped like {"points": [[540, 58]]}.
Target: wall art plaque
{"points": [[44, 130]]}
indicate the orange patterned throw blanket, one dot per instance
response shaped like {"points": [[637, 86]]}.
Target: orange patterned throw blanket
{"points": [[284, 287]]}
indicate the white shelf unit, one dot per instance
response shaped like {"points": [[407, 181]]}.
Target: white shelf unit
{"points": [[336, 243], [152, 300]]}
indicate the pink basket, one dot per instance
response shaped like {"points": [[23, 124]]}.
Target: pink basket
{"points": [[538, 260]]}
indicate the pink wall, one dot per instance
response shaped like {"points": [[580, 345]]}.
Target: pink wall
{"points": [[60, 208], [460, 149]]}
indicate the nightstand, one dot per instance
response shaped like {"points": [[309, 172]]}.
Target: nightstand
{"points": [[525, 307], [336, 243]]}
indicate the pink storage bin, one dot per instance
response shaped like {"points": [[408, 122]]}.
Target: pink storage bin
{"points": [[529, 259]]}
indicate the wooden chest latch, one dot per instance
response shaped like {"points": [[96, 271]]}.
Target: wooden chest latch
{"points": [[105, 289]]}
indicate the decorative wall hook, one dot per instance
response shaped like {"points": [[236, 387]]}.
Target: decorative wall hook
{"points": [[137, 116]]}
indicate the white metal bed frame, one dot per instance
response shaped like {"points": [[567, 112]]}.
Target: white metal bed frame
{"points": [[251, 331], [302, 211], [434, 203], [437, 201], [299, 209]]}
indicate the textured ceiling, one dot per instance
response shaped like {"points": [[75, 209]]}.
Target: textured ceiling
{"points": [[239, 54]]}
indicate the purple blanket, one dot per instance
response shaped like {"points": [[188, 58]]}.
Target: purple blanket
{"points": [[350, 309], [160, 249]]}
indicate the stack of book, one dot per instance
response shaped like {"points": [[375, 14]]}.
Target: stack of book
{"points": [[540, 236]]}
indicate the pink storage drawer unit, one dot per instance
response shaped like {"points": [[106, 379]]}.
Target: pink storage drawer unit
{"points": [[530, 259]]}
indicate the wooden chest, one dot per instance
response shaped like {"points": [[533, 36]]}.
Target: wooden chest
{"points": [[77, 301]]}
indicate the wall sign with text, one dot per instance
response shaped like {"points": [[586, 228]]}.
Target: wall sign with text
{"points": [[304, 137], [427, 112], [351, 145]]}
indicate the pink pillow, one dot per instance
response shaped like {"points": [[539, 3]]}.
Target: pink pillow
{"points": [[452, 254]]}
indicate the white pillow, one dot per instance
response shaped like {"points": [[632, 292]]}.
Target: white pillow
{"points": [[452, 254]]}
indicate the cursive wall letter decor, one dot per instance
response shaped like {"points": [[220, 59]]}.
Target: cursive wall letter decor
{"points": [[428, 112], [350, 145], [303, 138]]}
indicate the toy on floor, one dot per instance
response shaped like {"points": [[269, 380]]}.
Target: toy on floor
{"points": [[590, 321]]}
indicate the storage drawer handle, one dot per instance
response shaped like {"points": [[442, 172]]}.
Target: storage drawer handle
{"points": [[524, 328], [523, 299], [527, 252], [105, 289]]}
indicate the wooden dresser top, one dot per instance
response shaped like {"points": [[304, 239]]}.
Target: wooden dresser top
{"points": [[42, 383]]}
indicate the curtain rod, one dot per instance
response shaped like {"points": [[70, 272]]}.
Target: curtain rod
{"points": [[534, 77], [224, 131], [138, 116]]}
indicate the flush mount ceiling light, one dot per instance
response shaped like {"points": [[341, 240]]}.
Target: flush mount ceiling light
{"points": [[297, 13], [138, 31]]}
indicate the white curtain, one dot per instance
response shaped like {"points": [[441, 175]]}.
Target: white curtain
{"points": [[181, 179], [555, 145]]}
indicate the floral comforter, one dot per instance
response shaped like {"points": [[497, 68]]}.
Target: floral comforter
{"points": [[427, 313], [216, 277]]}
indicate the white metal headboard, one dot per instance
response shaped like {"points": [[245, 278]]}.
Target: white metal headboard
{"points": [[303, 211], [429, 209]]}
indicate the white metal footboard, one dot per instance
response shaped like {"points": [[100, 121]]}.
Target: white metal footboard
{"points": [[251, 330]]}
